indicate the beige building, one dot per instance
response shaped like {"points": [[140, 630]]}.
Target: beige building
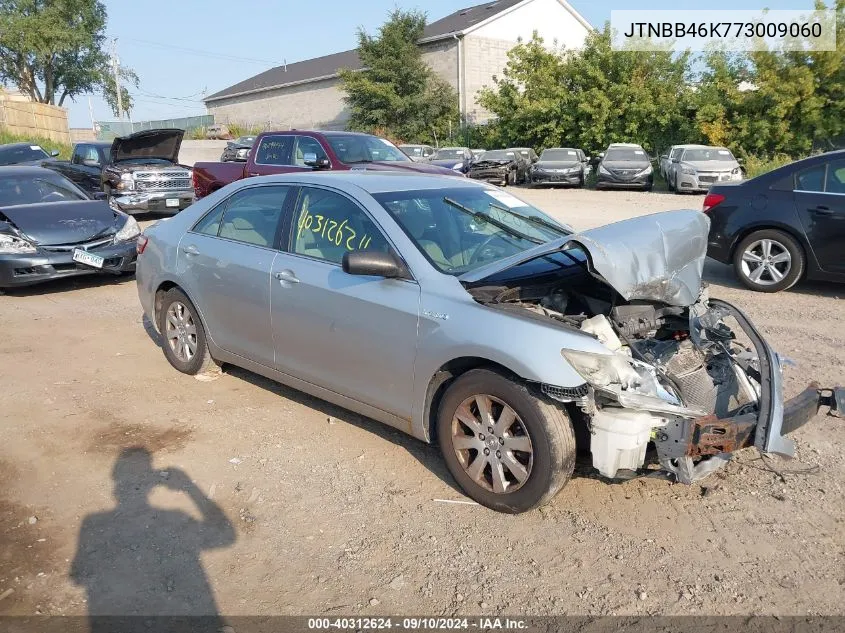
{"points": [[466, 48]]}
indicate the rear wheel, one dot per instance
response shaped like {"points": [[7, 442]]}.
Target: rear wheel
{"points": [[184, 342], [508, 448], [769, 261]]}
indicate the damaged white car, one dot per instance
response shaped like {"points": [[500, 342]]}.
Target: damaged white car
{"points": [[458, 313]]}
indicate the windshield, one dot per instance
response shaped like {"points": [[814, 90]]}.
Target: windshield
{"points": [[696, 155], [460, 229], [16, 190], [353, 149], [559, 155], [449, 152], [629, 154], [245, 140], [412, 150], [21, 154], [497, 154]]}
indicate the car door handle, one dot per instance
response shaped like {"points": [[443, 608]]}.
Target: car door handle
{"points": [[253, 173], [823, 210], [286, 276], [191, 250]]}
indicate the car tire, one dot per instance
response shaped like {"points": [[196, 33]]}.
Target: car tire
{"points": [[583, 182], [787, 259], [194, 358], [533, 476]]}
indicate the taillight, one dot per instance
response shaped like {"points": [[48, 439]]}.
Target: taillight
{"points": [[711, 200], [141, 243]]}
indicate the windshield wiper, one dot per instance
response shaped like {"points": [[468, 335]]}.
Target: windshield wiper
{"points": [[533, 220], [486, 218]]}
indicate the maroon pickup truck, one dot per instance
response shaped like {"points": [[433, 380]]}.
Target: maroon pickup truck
{"points": [[298, 150]]}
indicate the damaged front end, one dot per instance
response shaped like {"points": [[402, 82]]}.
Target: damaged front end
{"points": [[691, 375]]}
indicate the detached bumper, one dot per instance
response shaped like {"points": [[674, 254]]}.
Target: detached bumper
{"points": [[493, 177], [145, 201], [26, 270]]}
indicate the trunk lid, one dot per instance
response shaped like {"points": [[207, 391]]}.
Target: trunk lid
{"points": [[657, 257], [162, 144], [54, 223]]}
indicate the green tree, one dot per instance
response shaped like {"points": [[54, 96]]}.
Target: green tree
{"points": [[592, 96], [54, 49], [397, 94]]}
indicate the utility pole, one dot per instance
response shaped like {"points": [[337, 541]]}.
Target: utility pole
{"points": [[116, 66]]}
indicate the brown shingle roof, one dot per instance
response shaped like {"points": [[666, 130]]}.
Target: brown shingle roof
{"points": [[328, 65]]}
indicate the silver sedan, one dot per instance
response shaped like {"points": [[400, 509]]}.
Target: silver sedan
{"points": [[456, 312]]}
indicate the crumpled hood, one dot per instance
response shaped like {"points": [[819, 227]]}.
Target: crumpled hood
{"points": [[162, 144], [493, 162], [53, 223], [657, 257]]}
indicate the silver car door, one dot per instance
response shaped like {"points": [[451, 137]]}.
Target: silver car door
{"points": [[354, 335], [226, 260]]}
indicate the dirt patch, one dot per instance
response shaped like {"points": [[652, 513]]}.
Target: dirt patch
{"points": [[118, 435]]}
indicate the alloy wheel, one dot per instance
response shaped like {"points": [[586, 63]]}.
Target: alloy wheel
{"points": [[766, 262], [181, 331], [492, 444]]}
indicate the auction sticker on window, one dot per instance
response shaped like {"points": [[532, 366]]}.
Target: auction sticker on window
{"points": [[507, 199], [728, 30]]}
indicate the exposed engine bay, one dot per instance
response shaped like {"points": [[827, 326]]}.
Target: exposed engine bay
{"points": [[697, 381]]}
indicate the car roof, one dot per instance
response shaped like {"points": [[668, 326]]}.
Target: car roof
{"points": [[624, 145], [374, 181], [456, 147], [551, 149]]}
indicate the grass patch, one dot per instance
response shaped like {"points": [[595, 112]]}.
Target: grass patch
{"points": [[64, 149]]}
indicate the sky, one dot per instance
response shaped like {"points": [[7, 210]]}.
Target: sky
{"points": [[183, 49]]}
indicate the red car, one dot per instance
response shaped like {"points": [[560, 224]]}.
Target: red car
{"points": [[299, 150]]}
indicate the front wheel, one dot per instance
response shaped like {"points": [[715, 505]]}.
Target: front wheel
{"points": [[184, 342], [509, 449], [769, 261]]}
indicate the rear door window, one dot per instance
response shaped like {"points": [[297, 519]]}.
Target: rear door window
{"points": [[275, 150], [811, 179], [835, 182], [251, 216]]}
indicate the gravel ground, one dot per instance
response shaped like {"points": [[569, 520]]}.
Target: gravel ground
{"points": [[325, 512]]}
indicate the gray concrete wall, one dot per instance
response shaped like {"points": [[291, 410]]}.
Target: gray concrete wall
{"points": [[196, 151], [319, 104], [483, 58], [315, 105]]}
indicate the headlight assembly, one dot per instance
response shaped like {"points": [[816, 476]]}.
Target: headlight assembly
{"points": [[604, 171], [458, 167], [12, 245], [127, 182], [130, 231], [688, 170], [601, 370]]}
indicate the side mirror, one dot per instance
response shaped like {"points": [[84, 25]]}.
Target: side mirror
{"points": [[374, 264], [310, 159], [535, 159], [676, 160], [100, 195], [90, 162], [54, 153]]}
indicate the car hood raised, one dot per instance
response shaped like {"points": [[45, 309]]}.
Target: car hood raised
{"points": [[163, 144], [657, 257], [53, 223]]}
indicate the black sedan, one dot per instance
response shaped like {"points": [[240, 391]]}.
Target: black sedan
{"points": [[238, 149], [50, 229], [782, 226], [24, 153], [560, 166]]}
